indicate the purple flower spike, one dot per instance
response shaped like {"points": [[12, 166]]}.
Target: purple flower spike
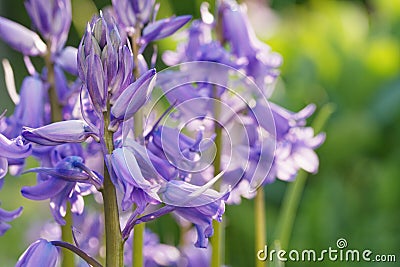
{"points": [[104, 64], [8, 216], [134, 96], [133, 12], [40, 253], [21, 39], [72, 131], [52, 18]]}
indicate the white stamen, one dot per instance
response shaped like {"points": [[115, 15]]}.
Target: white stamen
{"points": [[10, 83]]}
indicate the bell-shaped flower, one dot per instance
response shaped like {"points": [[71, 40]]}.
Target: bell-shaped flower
{"points": [[67, 58], [72, 131], [261, 64], [134, 96], [7, 216], [162, 28], [21, 39], [12, 150], [52, 19], [133, 13], [40, 253], [69, 180]]}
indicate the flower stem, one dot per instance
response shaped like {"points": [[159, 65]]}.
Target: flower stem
{"points": [[293, 195], [217, 239], [138, 230], [260, 224], [56, 115], [66, 234], [114, 243], [138, 234], [78, 252]]}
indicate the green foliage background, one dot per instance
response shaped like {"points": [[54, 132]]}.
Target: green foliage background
{"points": [[341, 52]]}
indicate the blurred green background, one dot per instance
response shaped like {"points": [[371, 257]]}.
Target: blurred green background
{"points": [[341, 52]]}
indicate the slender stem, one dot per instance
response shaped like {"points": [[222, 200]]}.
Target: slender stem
{"points": [[138, 230], [56, 107], [138, 234], [114, 243], [56, 115], [217, 239], [260, 224], [77, 251], [66, 235], [293, 195]]}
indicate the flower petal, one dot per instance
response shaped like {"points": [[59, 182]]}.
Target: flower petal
{"points": [[21, 39]]}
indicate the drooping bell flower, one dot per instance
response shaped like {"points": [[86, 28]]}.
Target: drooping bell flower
{"points": [[295, 143], [7, 216], [260, 62], [71, 131], [40, 253], [133, 13], [69, 180], [21, 39], [11, 151], [52, 18]]}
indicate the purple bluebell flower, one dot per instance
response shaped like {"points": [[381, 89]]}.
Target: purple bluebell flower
{"points": [[295, 143], [104, 63], [66, 59], [11, 152], [200, 47], [260, 63], [21, 39], [69, 180], [134, 96], [30, 110], [133, 13], [52, 18], [40, 253], [162, 28], [71, 131], [7, 216]]}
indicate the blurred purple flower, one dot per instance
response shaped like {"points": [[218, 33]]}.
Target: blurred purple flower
{"points": [[52, 18], [7, 216], [133, 13], [21, 39], [260, 62], [155, 253], [40, 253]]}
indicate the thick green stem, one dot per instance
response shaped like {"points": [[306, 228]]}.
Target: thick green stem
{"points": [[114, 242], [293, 195], [56, 115], [217, 239], [260, 224]]}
